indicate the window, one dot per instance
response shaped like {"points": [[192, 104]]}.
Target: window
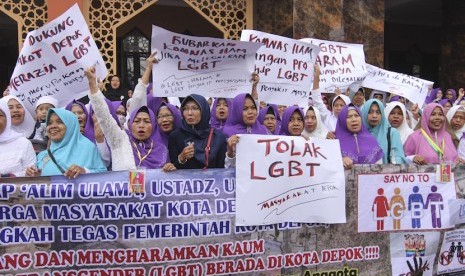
{"points": [[135, 48]]}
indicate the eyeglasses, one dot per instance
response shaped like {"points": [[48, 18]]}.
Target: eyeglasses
{"points": [[190, 108], [163, 117]]}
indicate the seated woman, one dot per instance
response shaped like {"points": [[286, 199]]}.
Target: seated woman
{"points": [[431, 144], [292, 123], [70, 153], [220, 112], [397, 117], [388, 138], [17, 151], [80, 110], [313, 125], [196, 145], [269, 117], [358, 146], [22, 121], [142, 140]]}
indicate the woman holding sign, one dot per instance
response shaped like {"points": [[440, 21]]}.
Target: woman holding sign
{"points": [[397, 116], [388, 138], [292, 123], [358, 146], [431, 144]]}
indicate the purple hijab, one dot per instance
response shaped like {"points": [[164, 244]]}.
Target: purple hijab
{"points": [[70, 105], [155, 152], [287, 117], [444, 101], [160, 136], [235, 123], [214, 122], [361, 147], [274, 109], [89, 128], [417, 144], [432, 95], [454, 95]]}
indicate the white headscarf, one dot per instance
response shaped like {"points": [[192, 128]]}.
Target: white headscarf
{"points": [[47, 99], [404, 129], [320, 131], [27, 127], [450, 114], [8, 134]]}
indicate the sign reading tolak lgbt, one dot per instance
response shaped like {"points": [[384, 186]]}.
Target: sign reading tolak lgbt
{"points": [[412, 88], [53, 59], [208, 66], [341, 64], [285, 67], [289, 179]]}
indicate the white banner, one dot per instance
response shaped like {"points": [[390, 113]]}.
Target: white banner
{"points": [[341, 64], [289, 179], [412, 88], [452, 255], [212, 67], [413, 253], [457, 211], [285, 67], [388, 202], [53, 59]]}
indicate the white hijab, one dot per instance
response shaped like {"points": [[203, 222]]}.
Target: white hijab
{"points": [[320, 131], [8, 134], [404, 129], [450, 114], [27, 127]]}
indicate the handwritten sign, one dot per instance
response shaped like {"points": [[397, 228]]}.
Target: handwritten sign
{"points": [[53, 59], [285, 67], [341, 64], [412, 88], [289, 179], [208, 66], [395, 202]]}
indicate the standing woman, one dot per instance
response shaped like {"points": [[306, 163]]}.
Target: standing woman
{"points": [[456, 118], [292, 123], [358, 146], [220, 112], [196, 145], [388, 138], [80, 110], [21, 120], [431, 144], [397, 117], [17, 151], [313, 125], [269, 117], [70, 153]]}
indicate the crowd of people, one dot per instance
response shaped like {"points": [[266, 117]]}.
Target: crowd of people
{"points": [[150, 132]]}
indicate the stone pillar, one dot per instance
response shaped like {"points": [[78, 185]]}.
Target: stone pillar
{"points": [[351, 21], [452, 60]]}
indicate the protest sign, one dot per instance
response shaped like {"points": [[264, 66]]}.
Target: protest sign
{"points": [[403, 202], [412, 88], [451, 259], [457, 211], [413, 252], [211, 67], [285, 67], [289, 179], [341, 64], [53, 59]]}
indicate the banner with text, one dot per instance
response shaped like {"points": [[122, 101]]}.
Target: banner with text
{"points": [[388, 202], [289, 179], [451, 259], [211, 67], [412, 88], [457, 211], [285, 67], [53, 59], [341, 64]]}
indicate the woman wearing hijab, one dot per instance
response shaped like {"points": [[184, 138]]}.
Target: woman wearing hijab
{"points": [[456, 119], [142, 139], [451, 95], [196, 145], [17, 151], [80, 110], [313, 125], [446, 104], [292, 123], [380, 95], [431, 144], [269, 117], [70, 153], [388, 138], [358, 146], [114, 90], [397, 117], [220, 112], [22, 121]]}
